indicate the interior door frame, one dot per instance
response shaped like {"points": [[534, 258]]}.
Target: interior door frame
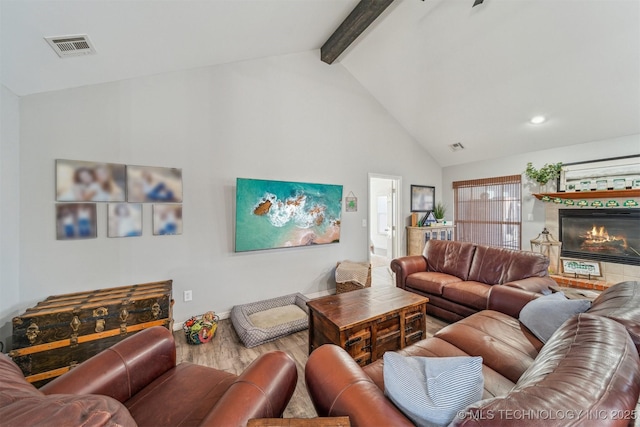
{"points": [[396, 202]]}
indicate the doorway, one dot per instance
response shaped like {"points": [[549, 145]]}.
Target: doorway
{"points": [[384, 224]]}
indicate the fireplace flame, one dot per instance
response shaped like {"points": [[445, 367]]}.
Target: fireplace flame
{"points": [[599, 240]]}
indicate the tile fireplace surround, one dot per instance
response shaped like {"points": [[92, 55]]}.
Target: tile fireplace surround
{"points": [[611, 272]]}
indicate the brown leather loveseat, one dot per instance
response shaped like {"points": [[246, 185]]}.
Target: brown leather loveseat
{"points": [[458, 276], [587, 373], [137, 382]]}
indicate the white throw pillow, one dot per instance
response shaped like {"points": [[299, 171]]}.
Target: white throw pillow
{"points": [[431, 390]]}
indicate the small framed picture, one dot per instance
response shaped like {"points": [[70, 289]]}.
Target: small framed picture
{"points": [[601, 184], [422, 198], [619, 184], [75, 221], [167, 219], [125, 220], [79, 181], [154, 184]]}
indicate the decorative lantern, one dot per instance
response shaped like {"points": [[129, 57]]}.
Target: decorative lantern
{"points": [[544, 244]]}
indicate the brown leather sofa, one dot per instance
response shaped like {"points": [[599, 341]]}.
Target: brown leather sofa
{"points": [[137, 382], [588, 370], [458, 276]]}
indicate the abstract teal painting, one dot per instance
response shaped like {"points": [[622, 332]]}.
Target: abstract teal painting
{"points": [[280, 214]]}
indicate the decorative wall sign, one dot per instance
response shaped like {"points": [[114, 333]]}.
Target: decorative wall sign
{"points": [[351, 203], [75, 221], [124, 220], [615, 173], [583, 268], [80, 181], [279, 214], [154, 184]]}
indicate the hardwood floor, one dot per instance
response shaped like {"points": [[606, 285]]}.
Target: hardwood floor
{"points": [[226, 352]]}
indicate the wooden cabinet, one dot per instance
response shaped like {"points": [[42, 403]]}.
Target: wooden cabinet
{"points": [[368, 322], [417, 237]]}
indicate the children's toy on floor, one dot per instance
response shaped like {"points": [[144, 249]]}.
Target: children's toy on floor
{"points": [[200, 331]]}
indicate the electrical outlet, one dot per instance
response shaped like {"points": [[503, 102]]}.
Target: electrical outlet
{"points": [[188, 296]]}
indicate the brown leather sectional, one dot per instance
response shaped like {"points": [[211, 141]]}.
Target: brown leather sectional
{"points": [[588, 370], [137, 382], [458, 276]]}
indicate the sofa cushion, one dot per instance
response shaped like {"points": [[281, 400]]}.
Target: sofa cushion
{"points": [[431, 390], [13, 381], [189, 392], [495, 336], [450, 257], [494, 383], [64, 409], [472, 294], [496, 266], [621, 302], [21, 404], [544, 315], [430, 282], [589, 370]]}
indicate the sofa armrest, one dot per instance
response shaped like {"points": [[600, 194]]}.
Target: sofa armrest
{"points": [[540, 285], [121, 370], [263, 390], [339, 387], [407, 265], [509, 300]]}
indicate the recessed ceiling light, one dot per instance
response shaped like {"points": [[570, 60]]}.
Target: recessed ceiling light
{"points": [[538, 120]]}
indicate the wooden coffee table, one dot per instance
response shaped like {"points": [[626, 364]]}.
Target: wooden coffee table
{"points": [[367, 322]]}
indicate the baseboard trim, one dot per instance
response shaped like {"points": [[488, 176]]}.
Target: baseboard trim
{"points": [[177, 325]]}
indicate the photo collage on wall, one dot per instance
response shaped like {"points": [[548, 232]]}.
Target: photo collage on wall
{"points": [[80, 185]]}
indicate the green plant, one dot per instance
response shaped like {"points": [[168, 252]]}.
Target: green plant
{"points": [[439, 210], [545, 174]]}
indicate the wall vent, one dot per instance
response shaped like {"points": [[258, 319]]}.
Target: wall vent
{"points": [[76, 45], [457, 146]]}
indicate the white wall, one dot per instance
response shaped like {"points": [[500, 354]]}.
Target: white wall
{"points": [[9, 209], [286, 118], [512, 165]]}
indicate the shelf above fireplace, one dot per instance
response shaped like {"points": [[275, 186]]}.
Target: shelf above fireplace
{"points": [[591, 194]]}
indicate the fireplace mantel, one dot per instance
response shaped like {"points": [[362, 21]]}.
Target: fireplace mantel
{"points": [[635, 192]]}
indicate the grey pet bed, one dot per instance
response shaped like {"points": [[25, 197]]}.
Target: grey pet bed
{"points": [[251, 335]]}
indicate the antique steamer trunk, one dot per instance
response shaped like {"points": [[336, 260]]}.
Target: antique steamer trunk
{"points": [[65, 330]]}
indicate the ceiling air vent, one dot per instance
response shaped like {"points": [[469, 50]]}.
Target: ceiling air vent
{"points": [[457, 146], [71, 45]]}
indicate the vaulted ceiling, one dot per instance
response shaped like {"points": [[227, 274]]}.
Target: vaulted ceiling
{"points": [[447, 72]]}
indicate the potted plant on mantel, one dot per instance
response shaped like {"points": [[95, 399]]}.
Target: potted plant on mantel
{"points": [[438, 211], [548, 172]]}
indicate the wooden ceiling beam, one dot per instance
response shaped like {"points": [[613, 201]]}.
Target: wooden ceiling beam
{"points": [[358, 20]]}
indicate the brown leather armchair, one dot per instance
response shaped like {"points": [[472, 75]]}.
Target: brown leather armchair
{"points": [[138, 382]]}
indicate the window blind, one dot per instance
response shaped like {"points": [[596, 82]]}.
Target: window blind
{"points": [[488, 211]]}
